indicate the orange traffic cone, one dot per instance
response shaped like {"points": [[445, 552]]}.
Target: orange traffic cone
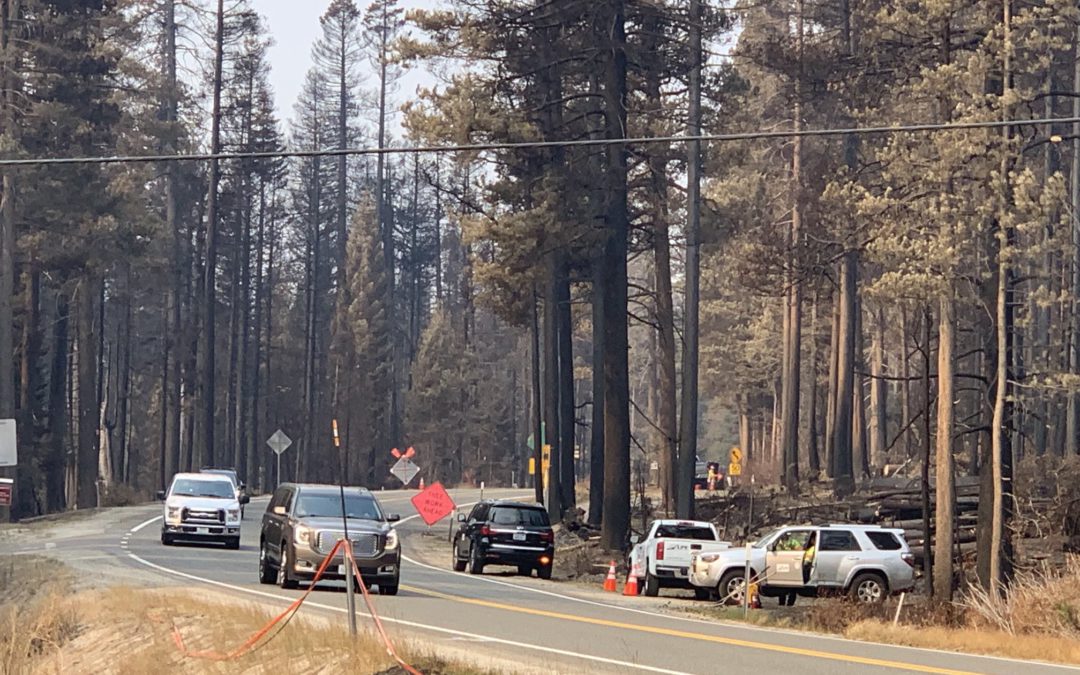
{"points": [[421, 482], [610, 582], [631, 587]]}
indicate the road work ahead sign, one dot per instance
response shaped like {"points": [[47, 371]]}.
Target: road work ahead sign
{"points": [[433, 503], [9, 455]]}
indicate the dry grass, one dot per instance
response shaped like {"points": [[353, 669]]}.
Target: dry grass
{"points": [[1040, 603], [45, 630], [971, 640]]}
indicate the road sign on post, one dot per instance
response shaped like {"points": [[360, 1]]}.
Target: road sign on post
{"points": [[735, 456], [279, 443], [9, 455], [7, 485], [433, 503]]}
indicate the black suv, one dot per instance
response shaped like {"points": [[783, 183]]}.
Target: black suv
{"points": [[505, 533]]}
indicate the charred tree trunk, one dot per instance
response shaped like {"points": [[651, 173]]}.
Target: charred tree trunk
{"points": [[87, 453]]}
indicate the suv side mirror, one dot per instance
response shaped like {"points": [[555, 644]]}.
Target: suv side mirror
{"points": [[161, 495], [279, 510], [461, 517], [393, 518], [244, 499], [634, 539]]}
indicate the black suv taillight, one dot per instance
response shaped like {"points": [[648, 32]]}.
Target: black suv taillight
{"points": [[547, 536], [485, 531]]}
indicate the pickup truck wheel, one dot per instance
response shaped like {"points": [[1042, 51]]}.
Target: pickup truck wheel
{"points": [[868, 589], [459, 564], [544, 572], [267, 574], [388, 589], [166, 539], [652, 585], [284, 578], [476, 564], [732, 586]]}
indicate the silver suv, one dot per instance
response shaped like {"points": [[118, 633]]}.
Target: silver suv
{"points": [[868, 562], [302, 524]]}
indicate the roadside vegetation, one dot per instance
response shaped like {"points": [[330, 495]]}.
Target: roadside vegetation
{"points": [[46, 629]]}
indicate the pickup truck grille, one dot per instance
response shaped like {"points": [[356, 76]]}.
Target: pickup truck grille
{"points": [[365, 545], [202, 516]]}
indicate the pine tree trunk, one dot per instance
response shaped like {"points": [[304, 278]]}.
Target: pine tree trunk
{"points": [[552, 408], [859, 443], [9, 16], [87, 463], [537, 408], [170, 452], [812, 451], [946, 492], [905, 371], [688, 421], [616, 523], [845, 390], [209, 303], [564, 336], [878, 389], [831, 393], [928, 558], [1072, 432], [596, 447], [56, 464]]}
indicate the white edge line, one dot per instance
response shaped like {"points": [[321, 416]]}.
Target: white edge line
{"points": [[413, 624], [142, 525], [732, 624]]}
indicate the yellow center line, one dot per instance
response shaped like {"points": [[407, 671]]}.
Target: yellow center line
{"points": [[671, 632]]}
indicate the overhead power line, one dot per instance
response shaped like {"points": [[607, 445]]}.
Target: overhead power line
{"points": [[532, 145]]}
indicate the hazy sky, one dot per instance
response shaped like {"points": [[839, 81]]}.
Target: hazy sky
{"points": [[294, 25]]}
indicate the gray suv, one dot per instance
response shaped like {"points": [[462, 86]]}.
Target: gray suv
{"points": [[303, 522]]}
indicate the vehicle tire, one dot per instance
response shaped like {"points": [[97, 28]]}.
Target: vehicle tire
{"points": [[652, 585], [732, 586], [544, 572], [476, 563], [868, 589], [524, 571], [167, 540], [389, 589], [267, 574], [702, 593], [459, 564], [284, 576], [233, 543]]}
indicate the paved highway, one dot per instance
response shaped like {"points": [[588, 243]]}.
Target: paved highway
{"points": [[540, 625]]}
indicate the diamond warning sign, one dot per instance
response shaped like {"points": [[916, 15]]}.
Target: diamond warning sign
{"points": [[433, 503]]}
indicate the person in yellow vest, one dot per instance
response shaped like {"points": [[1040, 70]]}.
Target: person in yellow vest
{"points": [[712, 477], [808, 557]]}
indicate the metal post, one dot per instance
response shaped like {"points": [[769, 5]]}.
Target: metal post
{"points": [[746, 585], [350, 581], [278, 476]]}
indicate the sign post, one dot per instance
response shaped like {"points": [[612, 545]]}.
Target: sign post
{"points": [[735, 458], [279, 443]]}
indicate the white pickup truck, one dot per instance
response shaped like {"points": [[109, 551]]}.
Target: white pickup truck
{"points": [[662, 558]]}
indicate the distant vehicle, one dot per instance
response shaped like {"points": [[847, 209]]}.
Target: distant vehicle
{"points": [[868, 562], [504, 532], [662, 558], [302, 524], [241, 489], [201, 507]]}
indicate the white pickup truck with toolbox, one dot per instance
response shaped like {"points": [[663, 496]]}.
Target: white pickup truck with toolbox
{"points": [[662, 558]]}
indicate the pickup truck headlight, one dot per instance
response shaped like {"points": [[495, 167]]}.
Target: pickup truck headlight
{"points": [[172, 514], [234, 514], [391, 539], [303, 534]]}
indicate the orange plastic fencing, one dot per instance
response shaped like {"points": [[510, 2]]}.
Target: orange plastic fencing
{"points": [[256, 640]]}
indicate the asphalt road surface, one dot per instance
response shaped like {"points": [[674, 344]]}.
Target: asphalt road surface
{"points": [[541, 625]]}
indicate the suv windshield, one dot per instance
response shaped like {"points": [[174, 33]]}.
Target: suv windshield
{"points": [[193, 487], [517, 515], [328, 505]]}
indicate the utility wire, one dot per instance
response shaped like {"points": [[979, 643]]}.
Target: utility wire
{"points": [[531, 145]]}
